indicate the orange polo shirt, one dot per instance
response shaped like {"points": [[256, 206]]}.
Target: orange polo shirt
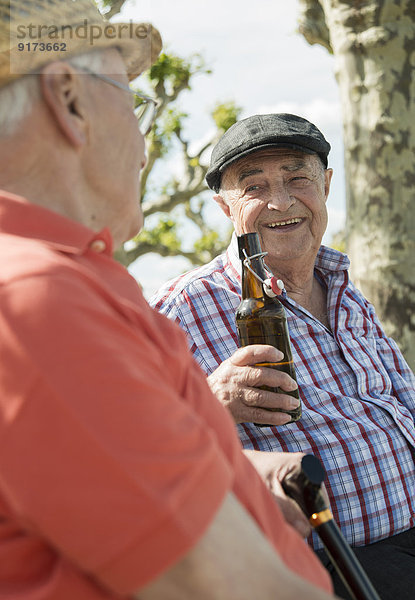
{"points": [[114, 455]]}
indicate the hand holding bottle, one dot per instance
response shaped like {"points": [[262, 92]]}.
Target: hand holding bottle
{"points": [[237, 381], [260, 317]]}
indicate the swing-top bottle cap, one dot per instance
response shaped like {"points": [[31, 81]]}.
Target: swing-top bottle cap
{"points": [[273, 287]]}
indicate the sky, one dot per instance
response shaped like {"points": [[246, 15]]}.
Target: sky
{"points": [[260, 61]]}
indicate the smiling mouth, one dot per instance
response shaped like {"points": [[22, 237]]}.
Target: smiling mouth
{"points": [[284, 224]]}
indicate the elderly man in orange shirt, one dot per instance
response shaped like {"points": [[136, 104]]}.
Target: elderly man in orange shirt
{"points": [[120, 473]]}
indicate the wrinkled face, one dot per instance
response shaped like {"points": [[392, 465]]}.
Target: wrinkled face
{"points": [[280, 194], [118, 153]]}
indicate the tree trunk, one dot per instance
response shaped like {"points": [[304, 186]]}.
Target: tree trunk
{"points": [[374, 46]]}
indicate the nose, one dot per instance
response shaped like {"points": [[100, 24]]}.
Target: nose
{"points": [[280, 199]]}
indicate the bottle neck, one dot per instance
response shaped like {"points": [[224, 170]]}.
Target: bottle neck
{"points": [[248, 245]]}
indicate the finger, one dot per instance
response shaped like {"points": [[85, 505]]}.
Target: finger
{"points": [[250, 355], [291, 511], [262, 416], [256, 398], [271, 377]]}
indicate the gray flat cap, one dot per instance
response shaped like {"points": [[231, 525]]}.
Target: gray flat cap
{"points": [[279, 130]]}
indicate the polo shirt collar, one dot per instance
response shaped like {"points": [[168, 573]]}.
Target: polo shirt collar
{"points": [[24, 219]]}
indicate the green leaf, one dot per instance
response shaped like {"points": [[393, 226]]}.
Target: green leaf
{"points": [[225, 114], [164, 232]]}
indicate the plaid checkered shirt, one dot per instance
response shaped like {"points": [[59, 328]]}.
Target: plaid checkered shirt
{"points": [[357, 392]]}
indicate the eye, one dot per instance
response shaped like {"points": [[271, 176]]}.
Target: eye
{"points": [[252, 188], [299, 180]]}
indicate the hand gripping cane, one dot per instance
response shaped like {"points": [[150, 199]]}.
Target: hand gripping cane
{"points": [[304, 486]]}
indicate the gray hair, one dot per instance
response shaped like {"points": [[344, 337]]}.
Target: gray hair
{"points": [[17, 98]]}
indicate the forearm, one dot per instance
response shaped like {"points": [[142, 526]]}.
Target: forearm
{"points": [[233, 561]]}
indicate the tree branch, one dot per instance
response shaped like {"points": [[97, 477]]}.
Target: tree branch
{"points": [[166, 202], [126, 257], [115, 8], [312, 24]]}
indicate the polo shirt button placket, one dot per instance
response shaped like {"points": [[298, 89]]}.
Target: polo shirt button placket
{"points": [[98, 246]]}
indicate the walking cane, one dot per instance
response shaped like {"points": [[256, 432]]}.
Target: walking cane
{"points": [[304, 486]]}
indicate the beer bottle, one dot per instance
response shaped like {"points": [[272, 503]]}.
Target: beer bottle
{"points": [[261, 319]]}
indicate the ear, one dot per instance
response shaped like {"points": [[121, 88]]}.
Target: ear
{"points": [[328, 173], [61, 88], [223, 205]]}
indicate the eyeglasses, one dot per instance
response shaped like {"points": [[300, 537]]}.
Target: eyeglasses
{"points": [[145, 107]]}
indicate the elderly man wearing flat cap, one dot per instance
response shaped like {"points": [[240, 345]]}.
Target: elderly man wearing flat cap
{"points": [[120, 473], [270, 176]]}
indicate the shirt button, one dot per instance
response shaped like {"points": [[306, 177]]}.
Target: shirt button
{"points": [[98, 246]]}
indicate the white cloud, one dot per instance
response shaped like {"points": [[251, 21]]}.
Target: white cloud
{"points": [[321, 112]]}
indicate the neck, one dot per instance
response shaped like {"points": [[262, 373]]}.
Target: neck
{"points": [[51, 180], [54, 192], [37, 163], [297, 275], [303, 287]]}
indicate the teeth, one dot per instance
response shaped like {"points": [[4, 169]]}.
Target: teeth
{"points": [[280, 223]]}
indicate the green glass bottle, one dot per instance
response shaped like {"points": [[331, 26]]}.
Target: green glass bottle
{"points": [[261, 319]]}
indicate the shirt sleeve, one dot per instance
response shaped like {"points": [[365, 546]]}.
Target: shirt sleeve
{"points": [[100, 454], [401, 376]]}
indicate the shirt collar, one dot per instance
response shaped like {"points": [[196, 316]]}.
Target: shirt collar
{"points": [[233, 258], [24, 219], [329, 260]]}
